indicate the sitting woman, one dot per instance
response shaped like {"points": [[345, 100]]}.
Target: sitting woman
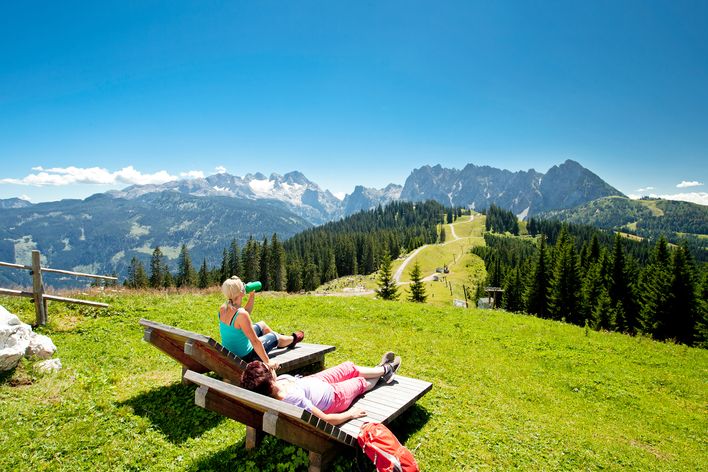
{"points": [[327, 394], [240, 335]]}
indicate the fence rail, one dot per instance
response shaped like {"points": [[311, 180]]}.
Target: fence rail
{"points": [[37, 293]]}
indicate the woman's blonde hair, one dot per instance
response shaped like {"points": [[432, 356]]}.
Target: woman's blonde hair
{"points": [[233, 288]]}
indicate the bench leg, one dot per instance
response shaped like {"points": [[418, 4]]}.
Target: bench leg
{"points": [[316, 462], [184, 371], [319, 461], [253, 437]]}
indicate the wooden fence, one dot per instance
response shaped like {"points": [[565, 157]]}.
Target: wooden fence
{"points": [[39, 298]]}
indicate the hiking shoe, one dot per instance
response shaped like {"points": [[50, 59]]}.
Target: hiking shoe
{"points": [[297, 337], [386, 359], [391, 369]]}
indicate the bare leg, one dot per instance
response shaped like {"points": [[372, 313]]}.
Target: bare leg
{"points": [[371, 372], [371, 383], [283, 340], [266, 329]]}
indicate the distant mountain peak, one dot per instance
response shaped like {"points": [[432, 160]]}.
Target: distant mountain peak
{"points": [[14, 203], [522, 192]]}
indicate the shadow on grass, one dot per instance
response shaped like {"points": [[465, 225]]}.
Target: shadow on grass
{"points": [[16, 377], [6, 377], [409, 423], [272, 451], [172, 410]]}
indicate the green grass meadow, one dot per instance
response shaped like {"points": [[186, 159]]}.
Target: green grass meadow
{"points": [[510, 392]]}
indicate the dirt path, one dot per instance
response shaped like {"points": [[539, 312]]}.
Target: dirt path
{"points": [[399, 272]]}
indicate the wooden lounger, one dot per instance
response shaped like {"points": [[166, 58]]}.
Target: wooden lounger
{"points": [[201, 353], [297, 426]]}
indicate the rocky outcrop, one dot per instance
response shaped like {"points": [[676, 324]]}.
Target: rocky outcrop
{"points": [[17, 340], [14, 339]]}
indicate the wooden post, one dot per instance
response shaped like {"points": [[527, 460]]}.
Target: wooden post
{"points": [[40, 308]]}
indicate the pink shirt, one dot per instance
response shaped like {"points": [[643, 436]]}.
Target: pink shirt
{"points": [[307, 392]]}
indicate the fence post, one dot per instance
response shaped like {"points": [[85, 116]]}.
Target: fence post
{"points": [[38, 290]]}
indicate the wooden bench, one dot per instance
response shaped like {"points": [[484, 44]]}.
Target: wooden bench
{"points": [[299, 427], [202, 354]]}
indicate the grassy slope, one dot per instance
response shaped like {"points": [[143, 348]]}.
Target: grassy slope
{"points": [[465, 268], [510, 391]]}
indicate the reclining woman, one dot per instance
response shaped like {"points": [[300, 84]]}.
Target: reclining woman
{"points": [[327, 394], [240, 335]]}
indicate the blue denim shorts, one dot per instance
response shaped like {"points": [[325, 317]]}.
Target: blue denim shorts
{"points": [[270, 342]]}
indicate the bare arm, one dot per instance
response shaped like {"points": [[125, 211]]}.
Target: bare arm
{"points": [[338, 418], [246, 325], [249, 304]]}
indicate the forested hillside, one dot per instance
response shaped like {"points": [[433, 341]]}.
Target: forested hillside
{"points": [[580, 274], [649, 218], [354, 245]]}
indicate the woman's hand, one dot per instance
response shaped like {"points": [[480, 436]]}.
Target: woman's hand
{"points": [[275, 365], [356, 413]]}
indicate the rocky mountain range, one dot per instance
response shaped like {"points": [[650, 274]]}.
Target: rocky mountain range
{"points": [[303, 197], [103, 232], [524, 192]]}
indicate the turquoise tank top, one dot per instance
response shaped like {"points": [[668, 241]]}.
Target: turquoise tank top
{"points": [[234, 339]]}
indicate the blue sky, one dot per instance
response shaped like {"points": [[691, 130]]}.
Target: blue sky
{"points": [[350, 92]]}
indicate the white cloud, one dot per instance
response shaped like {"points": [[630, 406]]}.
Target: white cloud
{"points": [[25, 198], [58, 176], [687, 183], [220, 169], [645, 189], [192, 174], [695, 197]]}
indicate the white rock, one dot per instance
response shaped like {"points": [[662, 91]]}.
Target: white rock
{"points": [[14, 339], [8, 318], [48, 366], [40, 346]]}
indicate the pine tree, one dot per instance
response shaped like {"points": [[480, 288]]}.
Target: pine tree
{"points": [[330, 268], [603, 313], [537, 291], [136, 274], [368, 259], [264, 270], [592, 287], [564, 287], [513, 291], [278, 275], [686, 309], [203, 276], [310, 277], [417, 287], [620, 290], [234, 260], [594, 250], [225, 271], [294, 275], [702, 324], [442, 235], [185, 270], [657, 298], [387, 285], [169, 280], [157, 269], [250, 258]]}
